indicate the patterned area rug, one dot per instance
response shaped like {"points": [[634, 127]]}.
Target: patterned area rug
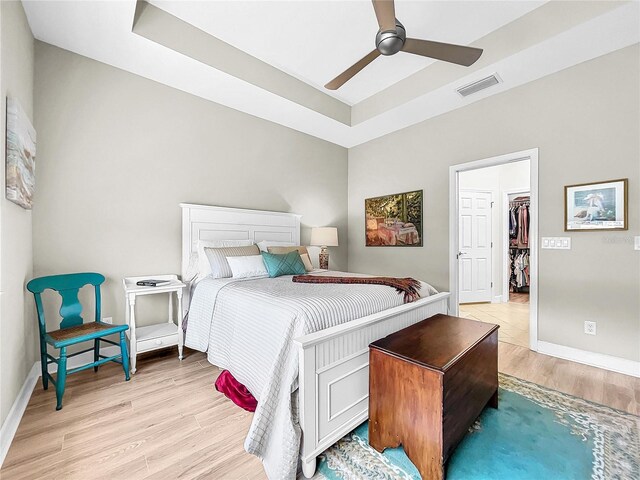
{"points": [[537, 433]]}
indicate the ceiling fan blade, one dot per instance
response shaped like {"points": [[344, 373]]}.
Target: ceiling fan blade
{"points": [[350, 72], [443, 51], [385, 13]]}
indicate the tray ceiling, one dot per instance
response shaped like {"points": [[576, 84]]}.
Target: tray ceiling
{"points": [[270, 59], [316, 40]]}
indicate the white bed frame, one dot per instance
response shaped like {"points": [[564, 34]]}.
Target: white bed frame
{"points": [[334, 363]]}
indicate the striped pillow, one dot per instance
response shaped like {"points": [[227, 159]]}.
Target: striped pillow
{"points": [[280, 250], [204, 267], [218, 258]]}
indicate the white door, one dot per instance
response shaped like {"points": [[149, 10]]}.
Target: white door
{"points": [[474, 257]]}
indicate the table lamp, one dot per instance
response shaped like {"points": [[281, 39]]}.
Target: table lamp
{"points": [[324, 237]]}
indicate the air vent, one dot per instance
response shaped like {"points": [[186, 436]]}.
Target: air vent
{"points": [[478, 85]]}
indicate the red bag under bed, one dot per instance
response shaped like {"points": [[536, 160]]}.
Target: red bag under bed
{"points": [[235, 391]]}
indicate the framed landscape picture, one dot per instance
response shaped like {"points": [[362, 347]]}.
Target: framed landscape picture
{"points": [[596, 206], [21, 156], [394, 220]]}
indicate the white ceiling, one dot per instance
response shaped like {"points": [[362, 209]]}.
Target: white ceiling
{"points": [[102, 30], [316, 40]]}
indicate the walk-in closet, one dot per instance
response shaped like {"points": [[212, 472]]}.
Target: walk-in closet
{"points": [[518, 241]]}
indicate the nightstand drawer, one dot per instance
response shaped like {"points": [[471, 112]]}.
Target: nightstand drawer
{"points": [[156, 336], [153, 343]]}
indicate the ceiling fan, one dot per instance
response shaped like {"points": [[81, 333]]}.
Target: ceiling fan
{"points": [[392, 38]]}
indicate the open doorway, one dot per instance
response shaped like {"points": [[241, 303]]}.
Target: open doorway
{"points": [[493, 228]]}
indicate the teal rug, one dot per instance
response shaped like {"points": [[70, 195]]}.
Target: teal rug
{"points": [[537, 434]]}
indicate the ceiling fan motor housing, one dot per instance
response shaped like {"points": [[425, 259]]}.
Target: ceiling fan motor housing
{"points": [[390, 42]]}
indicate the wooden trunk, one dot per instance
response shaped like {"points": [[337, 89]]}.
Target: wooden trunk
{"points": [[428, 384]]}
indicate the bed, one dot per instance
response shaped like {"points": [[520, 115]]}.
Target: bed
{"points": [[321, 383]]}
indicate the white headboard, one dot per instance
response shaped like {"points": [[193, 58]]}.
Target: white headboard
{"points": [[205, 222]]}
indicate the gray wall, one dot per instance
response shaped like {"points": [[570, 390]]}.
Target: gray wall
{"points": [[585, 121], [117, 153], [18, 344]]}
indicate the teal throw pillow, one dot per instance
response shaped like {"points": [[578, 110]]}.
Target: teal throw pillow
{"points": [[283, 264]]}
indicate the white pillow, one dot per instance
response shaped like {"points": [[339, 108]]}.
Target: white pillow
{"points": [[204, 266], [265, 244], [249, 266]]}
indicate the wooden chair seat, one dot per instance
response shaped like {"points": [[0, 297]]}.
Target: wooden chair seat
{"points": [[88, 330]]}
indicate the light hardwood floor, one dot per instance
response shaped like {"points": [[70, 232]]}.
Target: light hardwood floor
{"points": [[513, 317], [515, 297], [169, 422]]}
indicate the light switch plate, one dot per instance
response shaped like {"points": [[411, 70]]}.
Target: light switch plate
{"points": [[637, 243], [556, 243]]}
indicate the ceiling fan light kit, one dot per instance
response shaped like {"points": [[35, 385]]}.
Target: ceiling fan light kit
{"points": [[390, 42], [392, 38]]}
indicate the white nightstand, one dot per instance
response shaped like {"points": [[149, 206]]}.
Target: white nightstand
{"points": [[159, 335]]}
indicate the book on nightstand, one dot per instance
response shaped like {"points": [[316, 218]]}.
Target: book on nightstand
{"points": [[153, 283]]}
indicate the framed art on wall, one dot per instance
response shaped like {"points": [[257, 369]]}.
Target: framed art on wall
{"points": [[394, 220], [596, 206], [20, 156]]}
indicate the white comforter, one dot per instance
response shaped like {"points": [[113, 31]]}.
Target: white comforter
{"points": [[247, 326]]}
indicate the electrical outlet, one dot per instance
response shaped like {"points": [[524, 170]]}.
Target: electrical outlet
{"points": [[110, 320], [590, 328]]}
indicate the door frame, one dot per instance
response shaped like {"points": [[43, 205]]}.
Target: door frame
{"points": [[505, 245], [454, 186], [491, 194]]}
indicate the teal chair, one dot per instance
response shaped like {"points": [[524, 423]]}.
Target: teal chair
{"points": [[73, 329]]}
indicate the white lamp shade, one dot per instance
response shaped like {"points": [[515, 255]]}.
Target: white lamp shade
{"points": [[324, 236]]}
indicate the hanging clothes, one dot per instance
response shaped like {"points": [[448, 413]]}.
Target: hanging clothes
{"points": [[519, 222], [523, 226], [513, 224], [519, 270], [519, 243]]}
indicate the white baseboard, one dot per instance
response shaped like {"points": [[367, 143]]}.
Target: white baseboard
{"points": [[608, 362], [10, 425], [497, 299]]}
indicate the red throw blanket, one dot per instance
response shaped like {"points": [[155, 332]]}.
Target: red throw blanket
{"points": [[410, 287], [235, 391]]}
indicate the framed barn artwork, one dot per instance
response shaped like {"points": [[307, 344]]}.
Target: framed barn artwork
{"points": [[394, 220]]}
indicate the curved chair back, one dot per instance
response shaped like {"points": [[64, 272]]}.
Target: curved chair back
{"points": [[68, 286]]}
